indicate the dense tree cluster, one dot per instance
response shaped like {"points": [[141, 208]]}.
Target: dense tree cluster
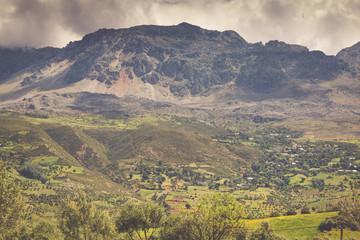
{"points": [[33, 172], [155, 174], [217, 217], [281, 160], [10, 202]]}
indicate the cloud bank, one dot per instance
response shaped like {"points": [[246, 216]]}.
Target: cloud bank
{"points": [[327, 25]]}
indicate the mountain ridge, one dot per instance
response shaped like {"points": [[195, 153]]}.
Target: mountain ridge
{"points": [[182, 64]]}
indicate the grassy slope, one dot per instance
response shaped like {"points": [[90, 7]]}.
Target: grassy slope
{"points": [[325, 130], [170, 145], [32, 143], [83, 141], [335, 235], [36, 136], [295, 227], [86, 150]]}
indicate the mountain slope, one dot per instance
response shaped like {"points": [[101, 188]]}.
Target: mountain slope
{"points": [[351, 55], [167, 63], [183, 70], [82, 153]]}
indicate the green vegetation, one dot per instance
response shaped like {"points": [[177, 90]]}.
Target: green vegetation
{"points": [[143, 219], [10, 203], [264, 232], [217, 217], [268, 168], [81, 221]]}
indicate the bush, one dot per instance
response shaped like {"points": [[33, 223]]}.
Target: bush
{"points": [[275, 214], [327, 225], [291, 212], [140, 218], [305, 210], [264, 232], [318, 183]]}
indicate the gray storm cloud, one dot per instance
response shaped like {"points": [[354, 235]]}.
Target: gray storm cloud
{"points": [[327, 25]]}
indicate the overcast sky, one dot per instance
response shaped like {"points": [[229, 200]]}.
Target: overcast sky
{"points": [[327, 25]]}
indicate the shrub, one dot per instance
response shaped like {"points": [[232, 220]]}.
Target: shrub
{"points": [[275, 214], [327, 225], [264, 232], [305, 210], [291, 212]]}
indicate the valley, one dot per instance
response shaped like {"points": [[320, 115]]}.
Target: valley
{"points": [[270, 168]]}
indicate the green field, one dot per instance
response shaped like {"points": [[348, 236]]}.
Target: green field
{"points": [[294, 227]]}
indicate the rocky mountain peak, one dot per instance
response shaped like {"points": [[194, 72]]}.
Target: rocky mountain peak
{"points": [[189, 27], [351, 55], [172, 62], [282, 46]]}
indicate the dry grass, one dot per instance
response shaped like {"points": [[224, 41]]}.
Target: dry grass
{"points": [[325, 130]]}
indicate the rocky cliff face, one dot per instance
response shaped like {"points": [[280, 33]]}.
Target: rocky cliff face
{"points": [[15, 60], [186, 64], [182, 60], [351, 56]]}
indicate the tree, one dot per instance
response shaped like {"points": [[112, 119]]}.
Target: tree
{"points": [[256, 167], [81, 220], [318, 183], [217, 217], [350, 209], [70, 222], [140, 218], [101, 225], [10, 202], [177, 227], [349, 215], [264, 232], [45, 231]]}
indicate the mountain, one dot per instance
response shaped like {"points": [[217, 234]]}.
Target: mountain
{"points": [[351, 56], [186, 64]]}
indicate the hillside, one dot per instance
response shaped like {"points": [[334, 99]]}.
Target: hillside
{"points": [[116, 149]]}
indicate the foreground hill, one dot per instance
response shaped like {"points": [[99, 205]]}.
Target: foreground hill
{"points": [[112, 146]]}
